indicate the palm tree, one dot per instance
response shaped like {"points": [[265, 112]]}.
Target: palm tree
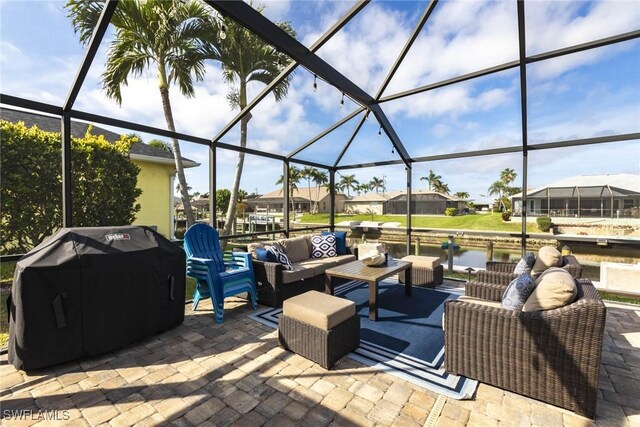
{"points": [[362, 188], [498, 188], [377, 184], [307, 173], [432, 179], [508, 176], [348, 182], [244, 58], [441, 187], [319, 179], [462, 195], [295, 175], [165, 35]]}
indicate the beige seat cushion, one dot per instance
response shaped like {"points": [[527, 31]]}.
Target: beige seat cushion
{"points": [[422, 261], [548, 257], [298, 273], [320, 310], [296, 248], [319, 265], [554, 288]]}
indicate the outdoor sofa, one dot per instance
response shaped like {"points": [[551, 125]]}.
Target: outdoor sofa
{"points": [[552, 355], [490, 284], [275, 284]]}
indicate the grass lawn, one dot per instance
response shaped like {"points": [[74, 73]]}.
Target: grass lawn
{"points": [[490, 221], [6, 271]]}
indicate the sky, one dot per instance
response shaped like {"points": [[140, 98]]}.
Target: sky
{"points": [[583, 95]]}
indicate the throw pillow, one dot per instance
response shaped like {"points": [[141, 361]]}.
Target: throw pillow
{"points": [[282, 258], [323, 246], [517, 292], [264, 254], [296, 248], [341, 240], [525, 264], [554, 288], [548, 257]]}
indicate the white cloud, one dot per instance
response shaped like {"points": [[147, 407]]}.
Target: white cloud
{"points": [[365, 48], [454, 100], [556, 24], [460, 37]]}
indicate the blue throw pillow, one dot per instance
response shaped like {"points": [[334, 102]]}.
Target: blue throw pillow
{"points": [[525, 264], [518, 292], [280, 256], [341, 240], [264, 254]]}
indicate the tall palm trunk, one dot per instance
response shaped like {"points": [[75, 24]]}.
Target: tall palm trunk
{"points": [[231, 210], [177, 156]]}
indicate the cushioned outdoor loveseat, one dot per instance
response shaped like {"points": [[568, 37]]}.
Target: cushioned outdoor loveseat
{"points": [[491, 283], [275, 284], [551, 355]]}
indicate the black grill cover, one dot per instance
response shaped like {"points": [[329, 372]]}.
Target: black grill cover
{"points": [[86, 291]]}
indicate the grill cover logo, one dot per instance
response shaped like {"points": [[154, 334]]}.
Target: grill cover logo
{"points": [[118, 236]]}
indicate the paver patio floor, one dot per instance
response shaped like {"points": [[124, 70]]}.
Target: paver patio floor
{"points": [[201, 373]]}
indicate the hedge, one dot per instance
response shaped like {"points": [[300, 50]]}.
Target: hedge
{"points": [[103, 181]]}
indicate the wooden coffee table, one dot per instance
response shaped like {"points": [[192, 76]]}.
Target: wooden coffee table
{"points": [[356, 270]]}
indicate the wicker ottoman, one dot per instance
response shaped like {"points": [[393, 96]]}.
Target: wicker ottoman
{"points": [[425, 271], [320, 327]]}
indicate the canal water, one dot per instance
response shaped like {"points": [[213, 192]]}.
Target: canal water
{"points": [[589, 256]]}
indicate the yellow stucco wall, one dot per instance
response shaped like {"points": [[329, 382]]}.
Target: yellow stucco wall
{"points": [[155, 201]]}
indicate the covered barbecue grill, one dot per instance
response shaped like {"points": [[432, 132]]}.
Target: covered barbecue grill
{"points": [[86, 291]]}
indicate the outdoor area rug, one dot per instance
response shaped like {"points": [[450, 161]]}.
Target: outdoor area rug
{"points": [[406, 341]]}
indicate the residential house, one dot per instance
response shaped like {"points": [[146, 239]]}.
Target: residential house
{"points": [[305, 199], [601, 196], [395, 203]]}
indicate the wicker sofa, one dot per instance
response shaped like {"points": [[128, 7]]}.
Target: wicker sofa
{"points": [[553, 356], [490, 284], [275, 284]]}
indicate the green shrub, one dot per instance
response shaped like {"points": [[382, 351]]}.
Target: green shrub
{"points": [[544, 223], [506, 216], [451, 211], [103, 184]]}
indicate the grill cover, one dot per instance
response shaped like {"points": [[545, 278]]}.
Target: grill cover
{"points": [[86, 291]]}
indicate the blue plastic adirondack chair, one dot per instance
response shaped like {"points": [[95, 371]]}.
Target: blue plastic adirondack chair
{"points": [[219, 274]]}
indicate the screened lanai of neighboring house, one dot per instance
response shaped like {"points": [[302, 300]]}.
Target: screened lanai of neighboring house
{"points": [[378, 89], [599, 196]]}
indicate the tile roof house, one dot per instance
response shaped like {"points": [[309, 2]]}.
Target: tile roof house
{"points": [[157, 168], [305, 199]]}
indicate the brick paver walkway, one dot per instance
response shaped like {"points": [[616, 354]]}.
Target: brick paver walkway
{"points": [[201, 373]]}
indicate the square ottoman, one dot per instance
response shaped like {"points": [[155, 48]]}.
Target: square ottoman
{"points": [[323, 328], [425, 271]]}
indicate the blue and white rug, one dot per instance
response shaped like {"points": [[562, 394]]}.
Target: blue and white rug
{"points": [[407, 340]]}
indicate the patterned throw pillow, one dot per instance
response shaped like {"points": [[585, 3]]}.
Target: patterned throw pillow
{"points": [[525, 264], [518, 292], [341, 240], [280, 256], [323, 246]]}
